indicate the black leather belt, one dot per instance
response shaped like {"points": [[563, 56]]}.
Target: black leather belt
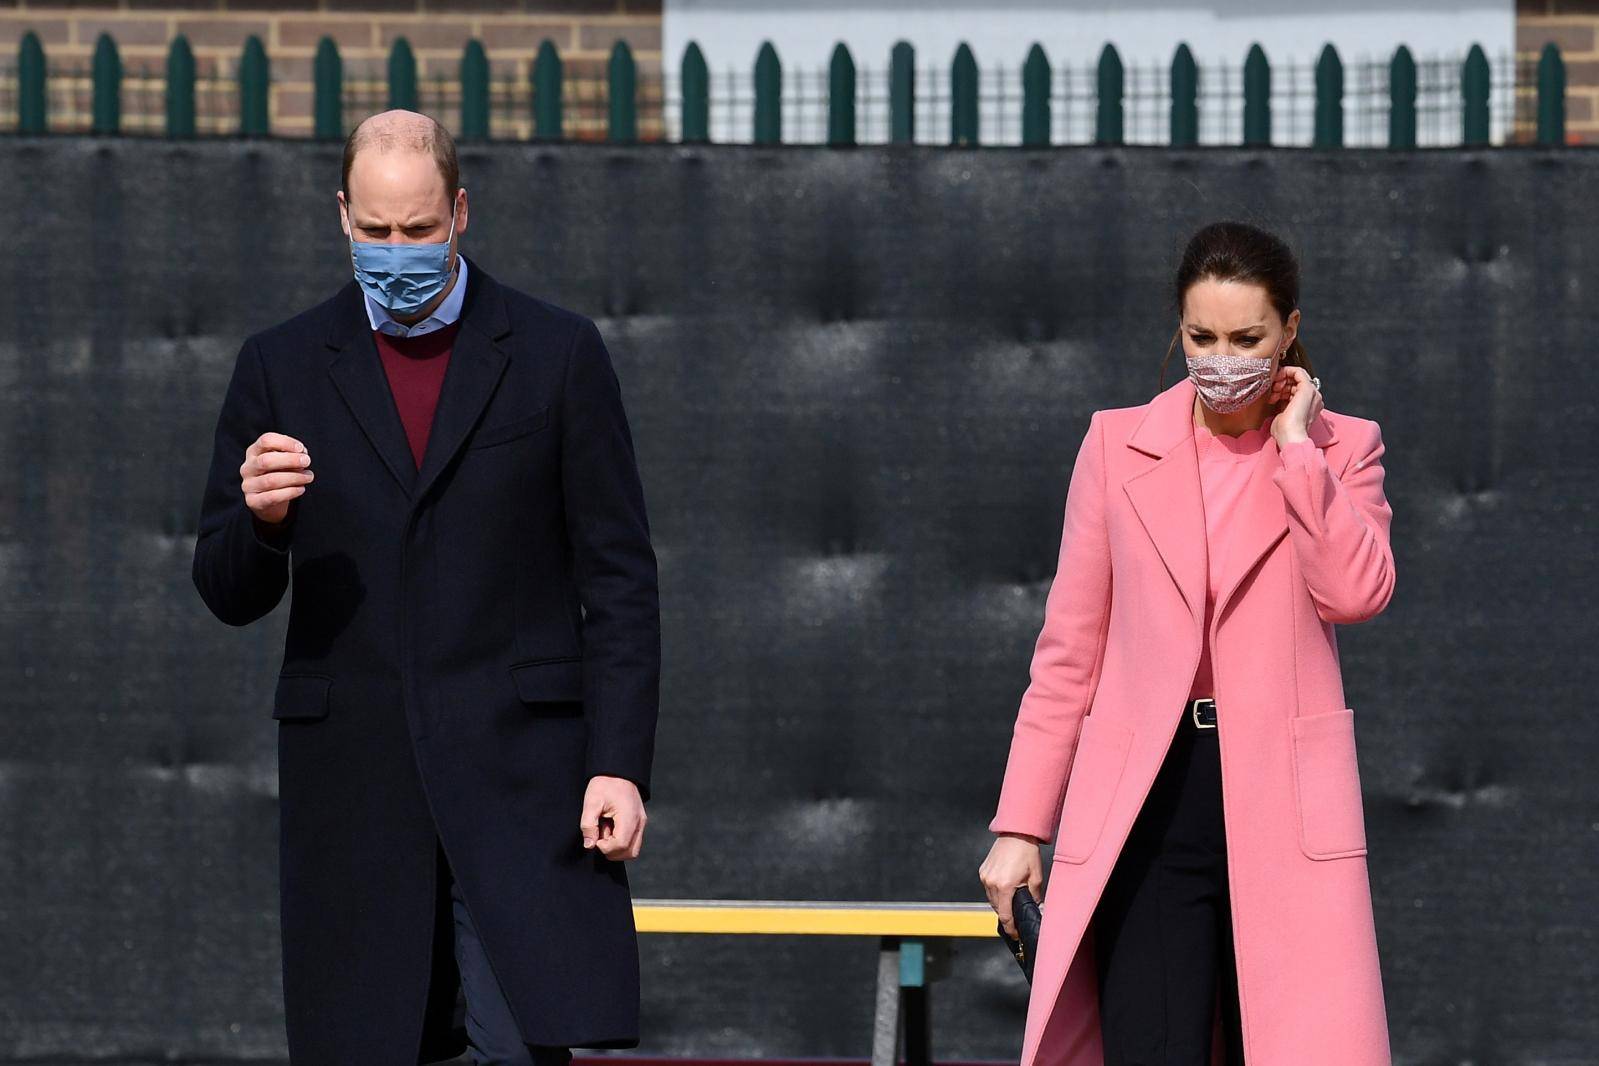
{"points": [[1202, 712]]}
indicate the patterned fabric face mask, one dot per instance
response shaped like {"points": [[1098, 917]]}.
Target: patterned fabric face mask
{"points": [[1228, 383]]}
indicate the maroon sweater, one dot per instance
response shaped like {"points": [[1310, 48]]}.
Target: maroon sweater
{"points": [[415, 367]]}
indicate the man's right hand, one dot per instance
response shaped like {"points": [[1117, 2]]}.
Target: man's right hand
{"points": [[1013, 861], [276, 469]]}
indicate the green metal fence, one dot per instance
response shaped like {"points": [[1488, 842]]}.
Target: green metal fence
{"points": [[1397, 101], [1042, 102]]}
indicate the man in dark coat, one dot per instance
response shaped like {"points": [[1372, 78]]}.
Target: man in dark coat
{"points": [[467, 701]]}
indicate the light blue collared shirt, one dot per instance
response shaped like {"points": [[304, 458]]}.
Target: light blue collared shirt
{"points": [[447, 312]]}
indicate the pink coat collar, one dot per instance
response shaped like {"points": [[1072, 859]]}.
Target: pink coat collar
{"points": [[1166, 496], [1170, 419]]}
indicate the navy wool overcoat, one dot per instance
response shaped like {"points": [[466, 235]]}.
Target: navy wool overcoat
{"points": [[467, 645]]}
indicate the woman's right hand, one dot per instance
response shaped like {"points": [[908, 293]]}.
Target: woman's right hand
{"points": [[1013, 861]]}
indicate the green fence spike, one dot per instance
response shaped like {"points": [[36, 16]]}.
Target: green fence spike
{"points": [[963, 98], [106, 110], [696, 81], [547, 93], [1329, 99], [31, 95], [402, 75], [180, 89], [902, 94], [1474, 89], [1551, 96], [1402, 99], [623, 93], [328, 104], [254, 89], [1108, 116], [768, 96], [1257, 98], [1184, 99], [474, 92], [841, 98], [1036, 76]]}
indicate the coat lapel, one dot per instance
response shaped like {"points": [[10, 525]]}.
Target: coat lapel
{"points": [[1263, 516], [357, 372], [475, 367], [1166, 497]]}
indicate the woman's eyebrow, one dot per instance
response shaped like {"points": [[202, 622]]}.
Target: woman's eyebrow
{"points": [[1234, 333]]}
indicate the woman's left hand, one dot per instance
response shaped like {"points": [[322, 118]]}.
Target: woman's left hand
{"points": [[1297, 402]]}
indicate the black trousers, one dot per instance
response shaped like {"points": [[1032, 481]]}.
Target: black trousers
{"points": [[1163, 927]]}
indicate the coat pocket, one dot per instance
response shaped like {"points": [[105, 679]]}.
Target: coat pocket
{"points": [[301, 697], [1327, 785], [551, 686], [1096, 770], [509, 431]]}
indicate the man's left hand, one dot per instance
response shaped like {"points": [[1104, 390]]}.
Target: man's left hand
{"points": [[613, 818]]}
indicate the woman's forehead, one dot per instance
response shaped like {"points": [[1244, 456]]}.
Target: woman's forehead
{"points": [[1227, 305]]}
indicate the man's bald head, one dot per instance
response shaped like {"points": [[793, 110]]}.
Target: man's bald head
{"points": [[404, 131]]}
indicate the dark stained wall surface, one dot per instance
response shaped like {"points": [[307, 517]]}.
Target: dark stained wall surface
{"points": [[857, 380]]}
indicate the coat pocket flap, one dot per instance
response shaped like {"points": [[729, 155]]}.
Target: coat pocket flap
{"points": [[517, 427], [549, 680], [302, 696], [1327, 785]]}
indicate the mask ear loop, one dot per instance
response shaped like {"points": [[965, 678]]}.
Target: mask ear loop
{"points": [[1276, 407], [349, 238], [455, 262]]}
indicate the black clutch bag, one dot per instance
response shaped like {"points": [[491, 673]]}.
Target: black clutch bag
{"points": [[1029, 919]]}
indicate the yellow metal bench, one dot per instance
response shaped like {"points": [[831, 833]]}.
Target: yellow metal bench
{"points": [[902, 930]]}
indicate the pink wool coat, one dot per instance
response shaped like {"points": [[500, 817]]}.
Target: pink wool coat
{"points": [[1113, 664]]}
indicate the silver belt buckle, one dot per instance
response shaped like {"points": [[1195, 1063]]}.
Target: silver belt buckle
{"points": [[1193, 708]]}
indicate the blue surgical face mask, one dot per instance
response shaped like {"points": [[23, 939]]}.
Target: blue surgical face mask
{"points": [[402, 277]]}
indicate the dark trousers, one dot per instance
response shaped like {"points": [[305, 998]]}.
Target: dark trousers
{"points": [[491, 1031], [1163, 929]]}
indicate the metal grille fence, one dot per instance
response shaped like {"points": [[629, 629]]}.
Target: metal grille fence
{"points": [[70, 94], [1146, 100], [805, 102]]}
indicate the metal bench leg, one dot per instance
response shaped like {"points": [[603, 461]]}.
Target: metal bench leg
{"points": [[913, 987], [885, 1026]]}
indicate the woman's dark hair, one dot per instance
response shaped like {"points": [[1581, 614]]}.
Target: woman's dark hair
{"points": [[1237, 251]]}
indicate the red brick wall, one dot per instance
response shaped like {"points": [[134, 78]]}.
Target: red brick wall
{"points": [[583, 30], [1572, 26]]}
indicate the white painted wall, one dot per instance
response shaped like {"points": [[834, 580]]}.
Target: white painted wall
{"points": [[1145, 32]]}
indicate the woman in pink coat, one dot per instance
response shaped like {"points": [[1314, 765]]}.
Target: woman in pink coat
{"points": [[1184, 742]]}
